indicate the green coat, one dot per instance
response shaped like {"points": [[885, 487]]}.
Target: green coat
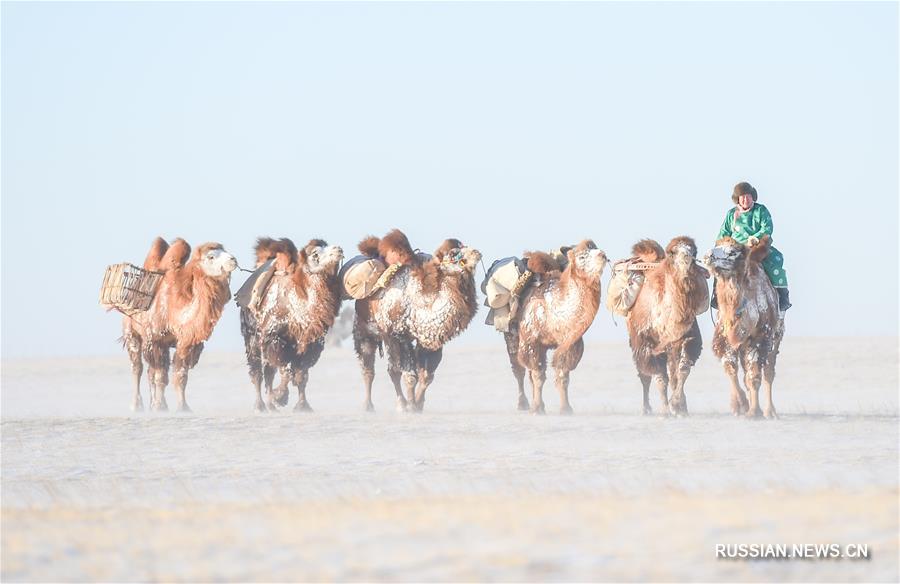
{"points": [[756, 222]]}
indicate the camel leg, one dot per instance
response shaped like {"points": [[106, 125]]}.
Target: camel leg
{"points": [[269, 380], [662, 385], [254, 364], [277, 397], [158, 358], [185, 360], [512, 350], [768, 379], [133, 346], [365, 352], [395, 375], [739, 403], [301, 378], [681, 359], [565, 359], [645, 384], [401, 353], [537, 368], [427, 362], [538, 377], [752, 378]]}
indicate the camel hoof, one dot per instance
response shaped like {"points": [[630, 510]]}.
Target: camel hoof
{"points": [[646, 410], [137, 406], [402, 406], [282, 400], [369, 407], [523, 404], [159, 407], [184, 409], [538, 410], [753, 415], [303, 407], [260, 407], [771, 415], [566, 410]]}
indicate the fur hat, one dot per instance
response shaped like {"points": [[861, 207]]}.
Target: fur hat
{"points": [[743, 188]]}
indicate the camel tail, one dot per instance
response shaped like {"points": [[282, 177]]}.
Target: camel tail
{"points": [[648, 250]]}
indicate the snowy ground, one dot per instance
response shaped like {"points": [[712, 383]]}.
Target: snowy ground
{"points": [[469, 490]]}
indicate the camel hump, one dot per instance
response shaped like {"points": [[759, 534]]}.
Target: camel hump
{"points": [[369, 246], [397, 242], [682, 240], [648, 250], [176, 256], [760, 251], [541, 263], [157, 250], [264, 249]]}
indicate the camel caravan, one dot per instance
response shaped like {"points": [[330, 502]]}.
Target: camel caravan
{"points": [[409, 304]]}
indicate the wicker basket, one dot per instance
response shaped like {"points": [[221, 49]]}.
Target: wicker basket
{"points": [[128, 288]]}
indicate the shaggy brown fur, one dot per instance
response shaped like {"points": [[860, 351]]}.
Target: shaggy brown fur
{"points": [[424, 306], [662, 325], [369, 246], [397, 242], [184, 311], [264, 250], [749, 327], [554, 314], [541, 263], [647, 250], [286, 332]]}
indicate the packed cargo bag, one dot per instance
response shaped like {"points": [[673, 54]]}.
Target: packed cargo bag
{"points": [[502, 287], [359, 277]]}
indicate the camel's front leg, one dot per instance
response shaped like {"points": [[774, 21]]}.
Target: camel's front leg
{"points": [[365, 352], [752, 378], [427, 363], [269, 381], [738, 397], [158, 359], [768, 378], [281, 393], [185, 360], [301, 378], [680, 363], [662, 385], [396, 374], [254, 364], [645, 384], [512, 350], [402, 355], [537, 368], [133, 345], [565, 359]]}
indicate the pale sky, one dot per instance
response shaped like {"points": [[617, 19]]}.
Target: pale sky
{"points": [[512, 126]]}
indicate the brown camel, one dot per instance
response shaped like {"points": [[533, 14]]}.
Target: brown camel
{"points": [[555, 311], [286, 331], [662, 324], [184, 311], [750, 327], [429, 301]]}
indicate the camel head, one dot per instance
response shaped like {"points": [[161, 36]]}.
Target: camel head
{"points": [[322, 258], [727, 259], [681, 254], [215, 261], [587, 260], [455, 257]]}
